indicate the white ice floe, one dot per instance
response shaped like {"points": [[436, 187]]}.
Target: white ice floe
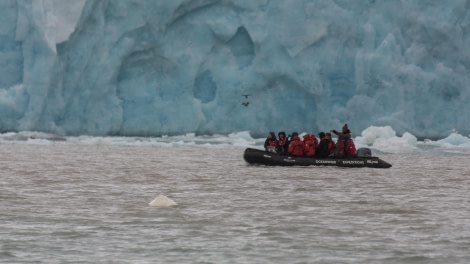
{"points": [[162, 201]]}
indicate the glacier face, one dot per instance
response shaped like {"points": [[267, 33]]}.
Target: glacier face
{"points": [[146, 67]]}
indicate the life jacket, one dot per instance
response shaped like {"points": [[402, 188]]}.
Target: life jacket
{"points": [[272, 142], [282, 145], [309, 146], [271, 145], [296, 147], [331, 144]]}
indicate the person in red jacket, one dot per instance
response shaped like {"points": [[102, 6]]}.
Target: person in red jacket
{"points": [[309, 145], [344, 131], [350, 148], [283, 145], [296, 145], [345, 145], [271, 143], [331, 143]]}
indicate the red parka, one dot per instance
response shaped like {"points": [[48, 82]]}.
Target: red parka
{"points": [[345, 146], [296, 146], [309, 145]]}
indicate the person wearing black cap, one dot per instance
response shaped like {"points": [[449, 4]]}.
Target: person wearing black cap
{"points": [[345, 132], [323, 150]]}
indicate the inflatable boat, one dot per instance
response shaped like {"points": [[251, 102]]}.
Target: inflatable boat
{"points": [[363, 158]]}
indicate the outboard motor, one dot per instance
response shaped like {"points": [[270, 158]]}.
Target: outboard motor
{"points": [[364, 153]]}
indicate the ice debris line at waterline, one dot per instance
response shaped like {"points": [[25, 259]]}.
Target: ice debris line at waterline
{"points": [[171, 67]]}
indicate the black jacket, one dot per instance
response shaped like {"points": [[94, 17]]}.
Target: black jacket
{"points": [[323, 151]]}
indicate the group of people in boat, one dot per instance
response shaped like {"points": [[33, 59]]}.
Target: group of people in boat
{"points": [[310, 146]]}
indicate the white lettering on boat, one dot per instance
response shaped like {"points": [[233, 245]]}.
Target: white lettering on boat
{"points": [[372, 161], [267, 156], [289, 160], [353, 162], [325, 161]]}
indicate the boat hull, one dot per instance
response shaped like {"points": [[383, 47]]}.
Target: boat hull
{"points": [[261, 157]]}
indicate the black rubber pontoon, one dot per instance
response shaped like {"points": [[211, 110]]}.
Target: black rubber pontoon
{"points": [[363, 159]]}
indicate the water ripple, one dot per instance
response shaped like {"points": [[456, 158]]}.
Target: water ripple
{"points": [[84, 204]]}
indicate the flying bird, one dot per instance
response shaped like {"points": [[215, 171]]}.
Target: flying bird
{"points": [[246, 95], [245, 103]]}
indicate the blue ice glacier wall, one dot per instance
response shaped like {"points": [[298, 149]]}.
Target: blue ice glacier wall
{"points": [[153, 67]]}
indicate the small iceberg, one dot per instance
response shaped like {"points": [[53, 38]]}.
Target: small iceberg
{"points": [[162, 201]]}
